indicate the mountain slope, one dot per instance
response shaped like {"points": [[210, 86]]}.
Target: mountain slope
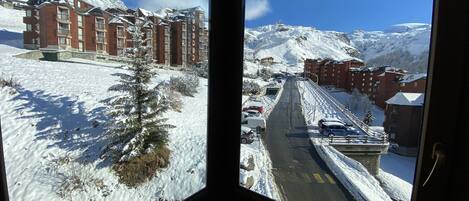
{"points": [[293, 44], [402, 45]]}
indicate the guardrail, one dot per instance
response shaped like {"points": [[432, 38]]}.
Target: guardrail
{"points": [[340, 107]]}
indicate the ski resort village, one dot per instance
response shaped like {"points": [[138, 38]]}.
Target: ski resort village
{"points": [[100, 101]]}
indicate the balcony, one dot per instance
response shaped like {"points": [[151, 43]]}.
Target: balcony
{"points": [[63, 17], [120, 34], [63, 32], [100, 26], [100, 40]]}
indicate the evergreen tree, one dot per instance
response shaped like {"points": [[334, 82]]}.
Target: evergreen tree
{"points": [[138, 127], [368, 118]]}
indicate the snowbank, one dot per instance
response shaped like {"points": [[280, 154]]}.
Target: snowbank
{"points": [[352, 174]]}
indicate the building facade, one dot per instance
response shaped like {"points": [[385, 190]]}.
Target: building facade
{"points": [[378, 83], [330, 72], [402, 111], [180, 39]]}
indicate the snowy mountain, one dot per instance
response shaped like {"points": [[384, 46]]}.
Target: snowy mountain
{"points": [[293, 44], [402, 45]]}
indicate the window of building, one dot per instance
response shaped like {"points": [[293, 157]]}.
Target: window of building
{"points": [[100, 37], [415, 84], [100, 47], [100, 23], [63, 14], [28, 13], [120, 31], [79, 4], [80, 34], [62, 41], [80, 46], [29, 27], [80, 20], [120, 43]]}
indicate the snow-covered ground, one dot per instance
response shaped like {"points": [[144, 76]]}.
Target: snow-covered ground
{"points": [[11, 27], [395, 175], [50, 118], [343, 97]]}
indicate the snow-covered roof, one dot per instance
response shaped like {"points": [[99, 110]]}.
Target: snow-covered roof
{"points": [[409, 99], [413, 77], [119, 20]]}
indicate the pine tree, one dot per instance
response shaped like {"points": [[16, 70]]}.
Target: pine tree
{"points": [[138, 126], [368, 118]]}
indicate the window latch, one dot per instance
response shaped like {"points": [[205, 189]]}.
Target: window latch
{"points": [[438, 155]]}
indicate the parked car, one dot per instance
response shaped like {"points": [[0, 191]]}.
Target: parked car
{"points": [[253, 113], [321, 122], [338, 129], [333, 128], [257, 123], [244, 115], [247, 135], [254, 107]]}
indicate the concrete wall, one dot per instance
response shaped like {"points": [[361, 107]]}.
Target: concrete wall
{"points": [[371, 162], [368, 155], [35, 55]]}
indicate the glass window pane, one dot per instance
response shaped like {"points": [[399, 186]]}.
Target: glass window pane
{"points": [[333, 98], [111, 122]]}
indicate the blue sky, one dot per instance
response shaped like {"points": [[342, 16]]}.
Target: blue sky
{"points": [[339, 15]]}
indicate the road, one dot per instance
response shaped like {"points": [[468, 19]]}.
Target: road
{"points": [[299, 171]]}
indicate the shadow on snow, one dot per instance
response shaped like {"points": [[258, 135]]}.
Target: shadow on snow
{"points": [[67, 123], [13, 39]]}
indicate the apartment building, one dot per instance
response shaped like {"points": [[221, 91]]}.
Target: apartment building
{"points": [[401, 112], [378, 83], [178, 39], [330, 72], [178, 43]]}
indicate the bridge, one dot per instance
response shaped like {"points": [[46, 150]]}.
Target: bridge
{"points": [[366, 148]]}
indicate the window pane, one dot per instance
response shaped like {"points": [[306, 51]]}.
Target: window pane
{"points": [[112, 122], [340, 94]]}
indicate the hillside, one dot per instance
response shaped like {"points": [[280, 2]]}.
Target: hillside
{"points": [[402, 45]]}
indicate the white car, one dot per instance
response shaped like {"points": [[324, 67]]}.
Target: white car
{"points": [[253, 113], [255, 123]]}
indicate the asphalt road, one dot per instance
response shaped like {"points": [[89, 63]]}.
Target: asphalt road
{"points": [[299, 171]]}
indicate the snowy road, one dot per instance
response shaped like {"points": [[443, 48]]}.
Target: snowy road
{"points": [[299, 171]]}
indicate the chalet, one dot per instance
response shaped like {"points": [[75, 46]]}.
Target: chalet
{"points": [[329, 71], [401, 113]]}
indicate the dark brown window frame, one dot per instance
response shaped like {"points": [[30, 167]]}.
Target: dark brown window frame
{"points": [[449, 50]]}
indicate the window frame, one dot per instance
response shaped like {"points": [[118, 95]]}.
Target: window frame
{"points": [[450, 30]]}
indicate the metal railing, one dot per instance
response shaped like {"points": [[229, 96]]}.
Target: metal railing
{"points": [[358, 122], [63, 17], [63, 31]]}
